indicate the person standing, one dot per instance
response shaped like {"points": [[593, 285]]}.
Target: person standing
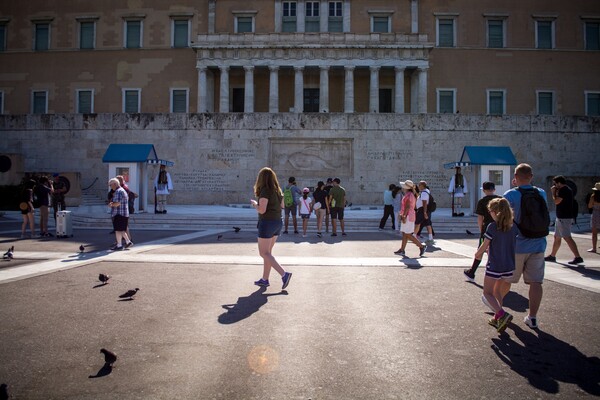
{"points": [[320, 198], [27, 210], [484, 218], [43, 191], [268, 207], [291, 204], [397, 203], [130, 195], [388, 208], [337, 200], [162, 186], [529, 257], [594, 205], [408, 216], [328, 187], [58, 195], [306, 206], [120, 215], [423, 219], [563, 199], [500, 238], [457, 188]]}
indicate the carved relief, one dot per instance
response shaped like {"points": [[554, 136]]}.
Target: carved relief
{"points": [[312, 156]]}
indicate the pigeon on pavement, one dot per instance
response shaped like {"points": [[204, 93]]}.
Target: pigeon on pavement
{"points": [[9, 253], [81, 248], [469, 232], [129, 294], [236, 229], [219, 237], [109, 357], [104, 278]]}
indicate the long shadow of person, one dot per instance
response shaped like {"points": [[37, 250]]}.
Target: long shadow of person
{"points": [[105, 370], [546, 360], [246, 306], [516, 302]]}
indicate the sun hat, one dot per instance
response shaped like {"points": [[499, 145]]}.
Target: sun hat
{"points": [[306, 190], [407, 184], [596, 186]]}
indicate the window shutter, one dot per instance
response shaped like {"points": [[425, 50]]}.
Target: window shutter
{"points": [[134, 31], [85, 101], [181, 33], [179, 101], [86, 35], [42, 32], [131, 101]]}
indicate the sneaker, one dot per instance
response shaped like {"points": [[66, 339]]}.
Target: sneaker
{"points": [[285, 232], [295, 232], [430, 242], [286, 279], [503, 322], [128, 245], [303, 235], [550, 258], [484, 301], [531, 322], [319, 234], [469, 274], [400, 252], [262, 282], [116, 248], [423, 249], [493, 322], [344, 234], [334, 234], [575, 261], [591, 250]]}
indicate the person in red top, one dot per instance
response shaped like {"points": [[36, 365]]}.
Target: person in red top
{"points": [[408, 217]]}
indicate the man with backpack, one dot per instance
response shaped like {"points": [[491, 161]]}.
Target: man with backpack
{"points": [[563, 199], [425, 206], [291, 194], [529, 204]]}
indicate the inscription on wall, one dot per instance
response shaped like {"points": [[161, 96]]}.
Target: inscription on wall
{"points": [[199, 180], [437, 181], [229, 155], [388, 155]]}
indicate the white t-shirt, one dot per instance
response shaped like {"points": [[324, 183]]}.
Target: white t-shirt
{"points": [[305, 204], [424, 195]]}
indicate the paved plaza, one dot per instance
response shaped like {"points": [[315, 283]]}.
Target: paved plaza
{"points": [[356, 322]]}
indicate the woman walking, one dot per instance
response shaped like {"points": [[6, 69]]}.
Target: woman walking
{"points": [[269, 206], [594, 204], [408, 216]]}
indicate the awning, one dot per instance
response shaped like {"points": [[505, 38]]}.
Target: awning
{"points": [[484, 155], [145, 153]]}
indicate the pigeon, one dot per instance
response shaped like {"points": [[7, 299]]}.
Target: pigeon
{"points": [[9, 253], [4, 392], [81, 248], [219, 237], [109, 357], [469, 232], [236, 229], [104, 278], [129, 294]]}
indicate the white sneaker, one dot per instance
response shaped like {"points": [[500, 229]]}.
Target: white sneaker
{"points": [[484, 300], [531, 322]]}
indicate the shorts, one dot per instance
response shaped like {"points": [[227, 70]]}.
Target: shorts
{"points": [[120, 223], [321, 212], [531, 266], [506, 275], [291, 209], [267, 228], [421, 218], [337, 213], [305, 216], [408, 227], [562, 227]]}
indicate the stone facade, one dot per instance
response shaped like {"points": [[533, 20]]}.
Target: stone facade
{"points": [[217, 156]]}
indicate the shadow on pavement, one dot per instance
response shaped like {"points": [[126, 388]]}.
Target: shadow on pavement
{"points": [[516, 302], [104, 371], [546, 361], [586, 272], [246, 306]]}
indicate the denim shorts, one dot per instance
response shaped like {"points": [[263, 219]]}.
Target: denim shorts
{"points": [[267, 228]]}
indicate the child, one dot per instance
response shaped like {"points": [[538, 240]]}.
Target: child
{"points": [[500, 237], [306, 204]]}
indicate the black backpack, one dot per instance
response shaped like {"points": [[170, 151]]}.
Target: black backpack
{"points": [[535, 218], [431, 204]]}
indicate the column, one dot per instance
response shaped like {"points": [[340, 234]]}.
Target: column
{"points": [[301, 16], [224, 103], [299, 89], [374, 90], [399, 91], [249, 89], [422, 90], [202, 106], [349, 89], [274, 89], [324, 89]]}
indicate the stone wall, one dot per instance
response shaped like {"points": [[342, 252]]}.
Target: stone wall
{"points": [[217, 156]]}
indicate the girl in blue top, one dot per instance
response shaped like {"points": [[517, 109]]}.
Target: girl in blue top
{"points": [[500, 237]]}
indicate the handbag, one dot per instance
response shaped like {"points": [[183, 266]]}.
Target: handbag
{"points": [[317, 206], [24, 206]]}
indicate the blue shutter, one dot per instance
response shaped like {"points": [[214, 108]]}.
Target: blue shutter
{"points": [[134, 33], [86, 35], [42, 35], [180, 32]]}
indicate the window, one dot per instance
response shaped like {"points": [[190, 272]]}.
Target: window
{"points": [[544, 33], [496, 176], [41, 36], [445, 32], [311, 100], [133, 34], [244, 24], [385, 100], [380, 24], [592, 104], [2, 36], [85, 101], [179, 100], [87, 35], [496, 102], [289, 16], [181, 33], [446, 101], [495, 33], [312, 22], [592, 35], [237, 99], [39, 102], [336, 18], [545, 103], [131, 100]]}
